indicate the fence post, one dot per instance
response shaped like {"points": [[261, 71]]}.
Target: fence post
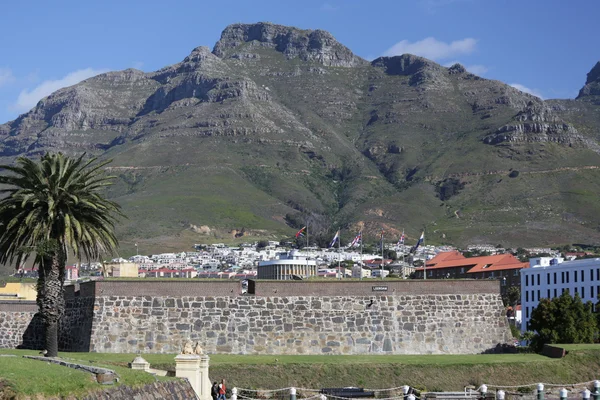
{"points": [[563, 393], [483, 391], [586, 394], [500, 394], [411, 397], [540, 391], [596, 392], [405, 390], [234, 393], [323, 397], [292, 393]]}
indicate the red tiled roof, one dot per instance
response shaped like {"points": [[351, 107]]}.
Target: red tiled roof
{"points": [[477, 264], [445, 256]]}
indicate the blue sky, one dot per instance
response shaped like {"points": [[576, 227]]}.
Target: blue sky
{"points": [[543, 46]]}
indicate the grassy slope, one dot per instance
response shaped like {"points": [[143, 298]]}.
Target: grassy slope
{"points": [[30, 377], [432, 373]]}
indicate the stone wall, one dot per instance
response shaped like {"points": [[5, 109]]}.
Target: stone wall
{"points": [[421, 324], [368, 317], [176, 390], [17, 318]]}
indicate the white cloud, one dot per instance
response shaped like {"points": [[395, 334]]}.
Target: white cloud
{"points": [[525, 89], [6, 76], [29, 98], [477, 69], [432, 48]]}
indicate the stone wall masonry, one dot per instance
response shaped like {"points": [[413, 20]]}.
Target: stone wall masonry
{"points": [[415, 324], [374, 287], [16, 317], [21, 326], [176, 390]]}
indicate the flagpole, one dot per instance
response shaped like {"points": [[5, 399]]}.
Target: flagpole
{"points": [[361, 255], [381, 272], [307, 267], [339, 257], [424, 262]]}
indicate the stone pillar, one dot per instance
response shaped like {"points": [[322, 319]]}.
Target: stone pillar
{"points": [[585, 395], [140, 364], [205, 384], [563, 393], [596, 392], [540, 391], [500, 395], [188, 366]]}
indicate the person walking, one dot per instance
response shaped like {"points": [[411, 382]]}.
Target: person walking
{"points": [[214, 390], [222, 390]]}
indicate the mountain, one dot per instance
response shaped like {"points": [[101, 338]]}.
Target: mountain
{"points": [[278, 125]]}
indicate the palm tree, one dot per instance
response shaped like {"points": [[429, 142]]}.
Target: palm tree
{"points": [[53, 208]]}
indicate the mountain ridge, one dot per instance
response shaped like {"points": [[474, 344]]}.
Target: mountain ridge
{"points": [[276, 126]]}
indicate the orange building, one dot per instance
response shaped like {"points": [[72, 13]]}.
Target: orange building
{"points": [[453, 265]]}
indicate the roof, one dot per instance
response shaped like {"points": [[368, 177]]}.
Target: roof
{"points": [[445, 256], [479, 264]]}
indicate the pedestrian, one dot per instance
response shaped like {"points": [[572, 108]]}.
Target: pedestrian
{"points": [[222, 390], [214, 391]]}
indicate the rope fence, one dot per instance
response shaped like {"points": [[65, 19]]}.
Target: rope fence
{"points": [[408, 393]]}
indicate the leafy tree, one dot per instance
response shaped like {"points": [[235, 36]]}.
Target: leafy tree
{"points": [[390, 254], [54, 207], [564, 319], [512, 296], [262, 244]]}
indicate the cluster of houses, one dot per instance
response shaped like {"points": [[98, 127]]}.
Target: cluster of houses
{"points": [[541, 277]]}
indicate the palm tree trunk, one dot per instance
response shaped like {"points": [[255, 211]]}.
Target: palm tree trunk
{"points": [[50, 298]]}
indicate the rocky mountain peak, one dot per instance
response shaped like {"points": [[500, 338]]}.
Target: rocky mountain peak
{"points": [[421, 70], [592, 84], [308, 45]]}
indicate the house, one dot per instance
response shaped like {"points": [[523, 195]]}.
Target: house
{"points": [[453, 265]]}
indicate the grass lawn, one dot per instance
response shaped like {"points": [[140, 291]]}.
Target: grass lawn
{"points": [[30, 377], [427, 372]]}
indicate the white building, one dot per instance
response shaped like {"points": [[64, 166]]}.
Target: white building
{"points": [[549, 277], [286, 265]]}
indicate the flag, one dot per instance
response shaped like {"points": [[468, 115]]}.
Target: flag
{"points": [[419, 242], [401, 240], [335, 239], [357, 240], [300, 233]]}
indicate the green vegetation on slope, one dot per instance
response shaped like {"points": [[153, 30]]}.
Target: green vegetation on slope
{"points": [[427, 372]]}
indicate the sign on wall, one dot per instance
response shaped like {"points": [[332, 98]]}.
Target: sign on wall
{"points": [[380, 288]]}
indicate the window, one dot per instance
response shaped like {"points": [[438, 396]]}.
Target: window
{"points": [[462, 270], [555, 295], [538, 295], [582, 277], [575, 276], [598, 274], [548, 278], [576, 290], [516, 272], [562, 275], [591, 274], [526, 312], [527, 295], [582, 292], [563, 290], [526, 280], [592, 291], [568, 276], [538, 275], [555, 278], [548, 293]]}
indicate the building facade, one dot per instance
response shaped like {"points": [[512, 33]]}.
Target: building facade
{"points": [[550, 277], [453, 265], [287, 266]]}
